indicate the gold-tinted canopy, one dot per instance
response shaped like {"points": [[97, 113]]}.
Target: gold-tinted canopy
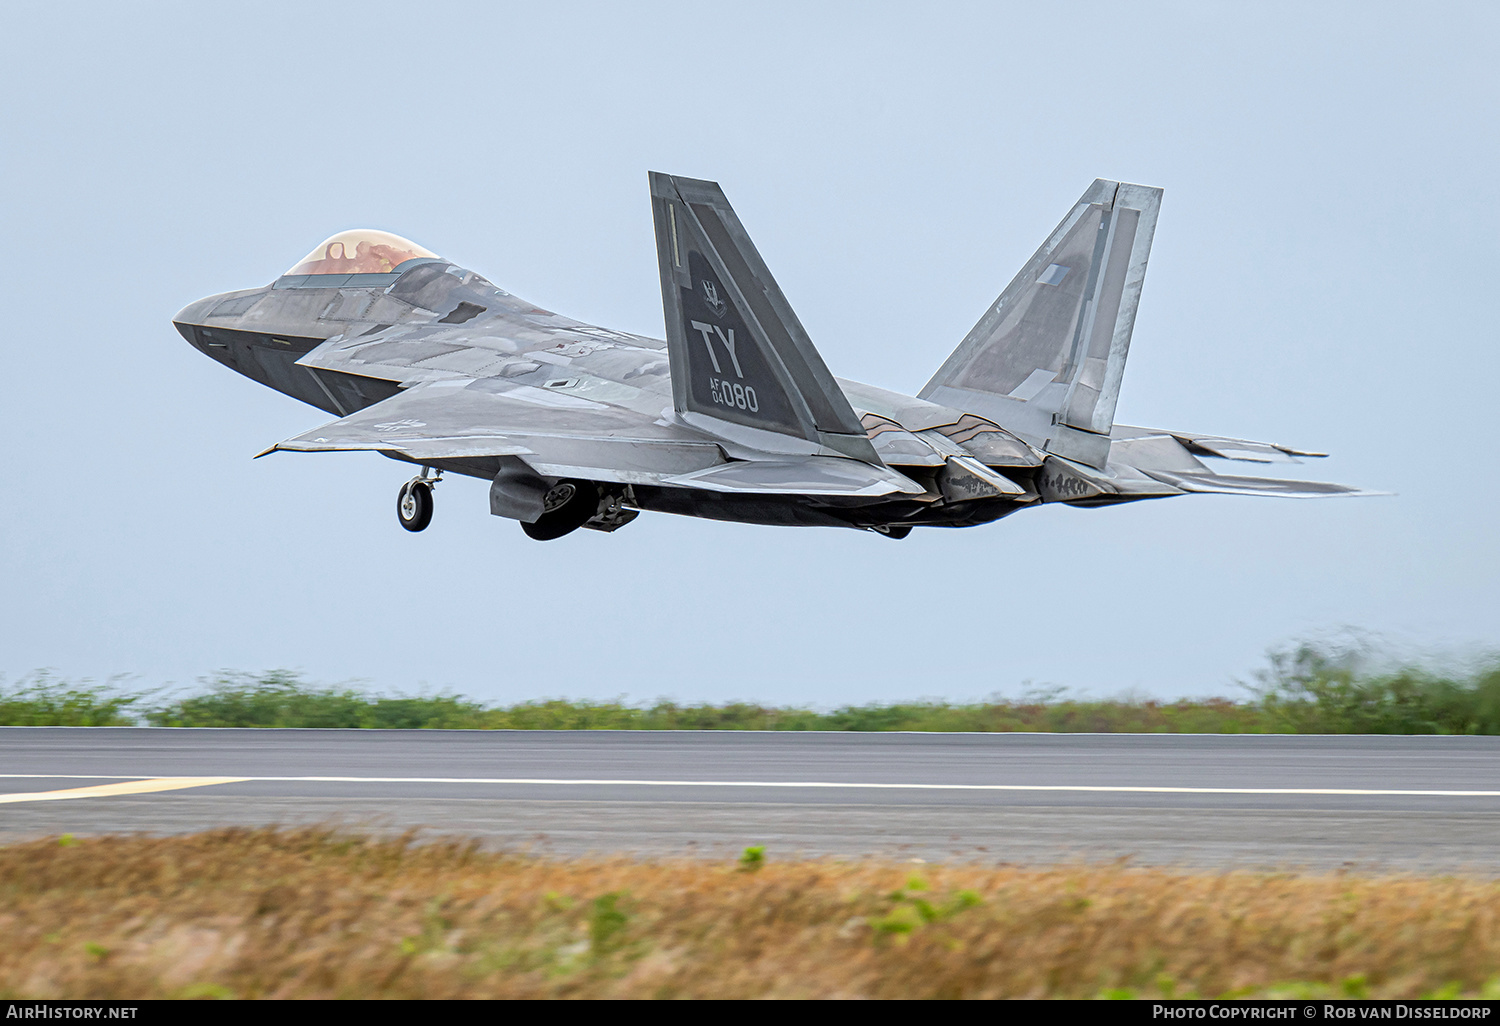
{"points": [[360, 251]]}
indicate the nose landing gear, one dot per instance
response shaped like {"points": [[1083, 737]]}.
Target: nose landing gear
{"points": [[414, 502]]}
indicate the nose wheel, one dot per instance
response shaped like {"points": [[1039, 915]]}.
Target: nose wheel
{"points": [[414, 502]]}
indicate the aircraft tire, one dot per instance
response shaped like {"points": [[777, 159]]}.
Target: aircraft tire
{"points": [[414, 505], [578, 510]]}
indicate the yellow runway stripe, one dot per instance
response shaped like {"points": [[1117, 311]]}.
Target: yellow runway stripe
{"points": [[109, 790]]}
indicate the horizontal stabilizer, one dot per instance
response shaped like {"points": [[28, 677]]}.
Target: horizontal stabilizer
{"points": [[1220, 446], [1230, 485], [1235, 449]]}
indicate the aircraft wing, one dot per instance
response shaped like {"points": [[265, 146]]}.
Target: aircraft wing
{"points": [[563, 435]]}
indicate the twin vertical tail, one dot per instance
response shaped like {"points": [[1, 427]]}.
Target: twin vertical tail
{"points": [[1046, 360], [742, 364]]}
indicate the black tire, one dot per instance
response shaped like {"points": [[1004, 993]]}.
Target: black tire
{"points": [[896, 531], [414, 505], [577, 510]]}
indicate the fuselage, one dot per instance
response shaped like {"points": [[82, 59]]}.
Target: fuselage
{"points": [[735, 416], [430, 320]]}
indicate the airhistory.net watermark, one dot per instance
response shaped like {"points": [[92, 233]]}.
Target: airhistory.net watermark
{"points": [[42, 1010]]}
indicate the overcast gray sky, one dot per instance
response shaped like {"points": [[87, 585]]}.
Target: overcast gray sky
{"points": [[1323, 276]]}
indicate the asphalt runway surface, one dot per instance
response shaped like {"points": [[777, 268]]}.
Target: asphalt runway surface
{"points": [[1370, 803]]}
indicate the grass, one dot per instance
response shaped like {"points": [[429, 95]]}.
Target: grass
{"points": [[315, 914], [1303, 690]]}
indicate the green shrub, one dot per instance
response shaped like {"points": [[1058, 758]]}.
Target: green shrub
{"points": [[1322, 690], [41, 700], [1308, 689], [282, 699]]}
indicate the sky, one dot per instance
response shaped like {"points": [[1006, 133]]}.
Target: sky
{"points": [[1323, 276]]}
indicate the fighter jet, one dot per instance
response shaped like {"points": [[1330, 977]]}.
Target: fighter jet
{"points": [[734, 416]]}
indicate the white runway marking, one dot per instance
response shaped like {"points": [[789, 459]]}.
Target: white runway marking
{"points": [[825, 784], [109, 790]]}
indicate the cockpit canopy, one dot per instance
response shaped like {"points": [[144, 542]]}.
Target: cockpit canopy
{"points": [[360, 251]]}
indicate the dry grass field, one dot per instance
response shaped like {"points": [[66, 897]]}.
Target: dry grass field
{"points": [[318, 914]]}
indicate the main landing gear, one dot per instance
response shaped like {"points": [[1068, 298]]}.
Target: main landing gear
{"points": [[414, 503], [568, 506]]}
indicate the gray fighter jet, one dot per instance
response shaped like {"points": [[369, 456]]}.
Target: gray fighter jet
{"points": [[734, 416]]}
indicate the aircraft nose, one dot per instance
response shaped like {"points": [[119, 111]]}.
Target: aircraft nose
{"points": [[194, 313], [190, 317]]}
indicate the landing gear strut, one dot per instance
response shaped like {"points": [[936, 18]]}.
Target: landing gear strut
{"points": [[414, 502]]}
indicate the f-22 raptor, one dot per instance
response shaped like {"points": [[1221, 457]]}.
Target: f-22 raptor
{"points": [[734, 416]]}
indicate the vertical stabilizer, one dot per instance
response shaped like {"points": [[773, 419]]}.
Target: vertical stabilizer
{"points": [[740, 358], [1046, 360]]}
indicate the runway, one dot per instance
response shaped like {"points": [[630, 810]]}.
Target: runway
{"points": [[1213, 801]]}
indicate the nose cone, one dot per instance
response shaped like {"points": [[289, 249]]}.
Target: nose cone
{"points": [[193, 314], [196, 313]]}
